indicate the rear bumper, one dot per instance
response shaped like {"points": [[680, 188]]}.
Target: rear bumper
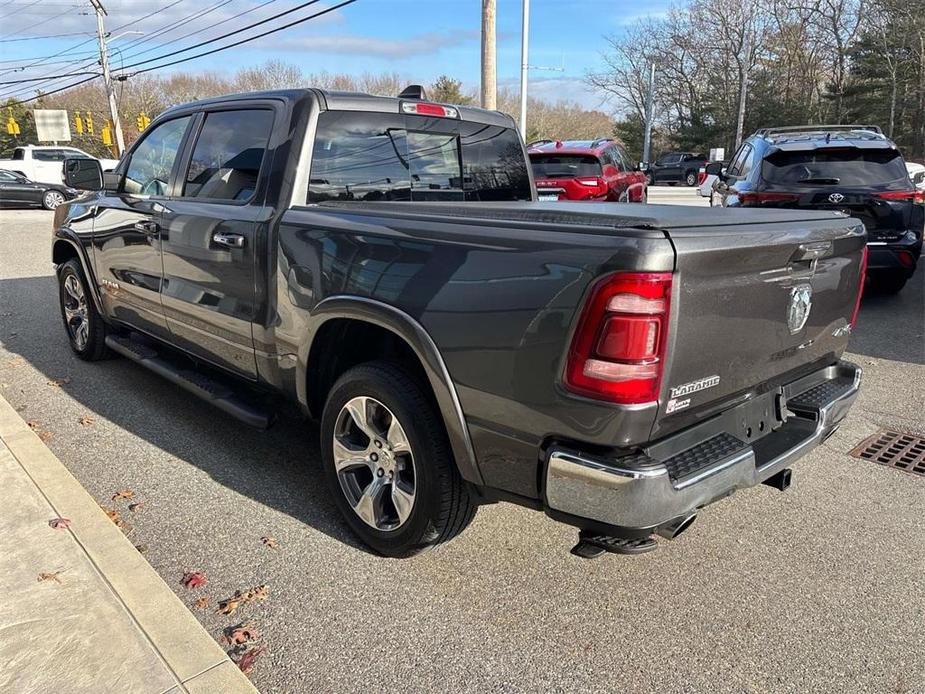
{"points": [[887, 255], [638, 493]]}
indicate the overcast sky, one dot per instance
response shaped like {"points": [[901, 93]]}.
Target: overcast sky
{"points": [[420, 39]]}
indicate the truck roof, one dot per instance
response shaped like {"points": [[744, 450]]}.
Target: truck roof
{"points": [[333, 100]]}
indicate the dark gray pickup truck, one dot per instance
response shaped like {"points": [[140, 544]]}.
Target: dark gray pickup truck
{"points": [[383, 262]]}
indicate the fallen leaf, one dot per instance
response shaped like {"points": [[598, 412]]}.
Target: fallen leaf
{"points": [[249, 658], [202, 603], [44, 435], [116, 518], [34, 425], [240, 634], [141, 548], [123, 494], [239, 598], [58, 382], [60, 523], [86, 421], [194, 579], [270, 542], [136, 507], [51, 576]]}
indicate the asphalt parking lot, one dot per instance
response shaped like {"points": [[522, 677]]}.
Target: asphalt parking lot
{"points": [[819, 589]]}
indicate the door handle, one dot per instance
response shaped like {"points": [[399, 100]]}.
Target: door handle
{"points": [[146, 226], [228, 240]]}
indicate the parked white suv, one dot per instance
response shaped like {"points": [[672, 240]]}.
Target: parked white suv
{"points": [[42, 164]]}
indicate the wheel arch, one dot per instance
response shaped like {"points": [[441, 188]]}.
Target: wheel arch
{"points": [[65, 246], [403, 334]]}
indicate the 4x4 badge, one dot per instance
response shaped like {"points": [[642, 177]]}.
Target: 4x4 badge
{"points": [[836, 198]]}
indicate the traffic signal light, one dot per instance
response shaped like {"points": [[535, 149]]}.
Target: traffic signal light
{"points": [[88, 123], [142, 121], [106, 134], [78, 123], [12, 127]]}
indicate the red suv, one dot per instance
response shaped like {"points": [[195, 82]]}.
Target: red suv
{"points": [[585, 170]]}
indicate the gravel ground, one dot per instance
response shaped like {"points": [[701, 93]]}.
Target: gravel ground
{"points": [[820, 589]]}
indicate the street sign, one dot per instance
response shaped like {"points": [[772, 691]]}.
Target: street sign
{"points": [[51, 125], [717, 154]]}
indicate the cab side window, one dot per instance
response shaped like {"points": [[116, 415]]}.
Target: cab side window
{"points": [[148, 170], [737, 160], [228, 155]]}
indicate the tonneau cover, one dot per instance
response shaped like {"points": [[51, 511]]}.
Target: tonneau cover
{"points": [[616, 215]]}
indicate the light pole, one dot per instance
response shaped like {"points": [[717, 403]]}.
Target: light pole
{"points": [[524, 68], [650, 115], [489, 55]]}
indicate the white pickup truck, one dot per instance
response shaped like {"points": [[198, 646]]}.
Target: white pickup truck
{"points": [[42, 164]]}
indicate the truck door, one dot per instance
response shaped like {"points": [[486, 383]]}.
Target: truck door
{"points": [[215, 233], [127, 230]]}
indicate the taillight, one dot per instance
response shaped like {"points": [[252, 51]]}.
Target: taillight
{"points": [[861, 279], [917, 197], [701, 177], [618, 349], [422, 108], [599, 184], [750, 199]]}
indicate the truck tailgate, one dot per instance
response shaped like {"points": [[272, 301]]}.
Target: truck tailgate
{"points": [[738, 327]]}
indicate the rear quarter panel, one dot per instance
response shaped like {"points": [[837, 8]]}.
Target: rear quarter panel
{"points": [[499, 302]]}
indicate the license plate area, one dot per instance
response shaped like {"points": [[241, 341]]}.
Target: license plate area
{"points": [[547, 197], [758, 417]]}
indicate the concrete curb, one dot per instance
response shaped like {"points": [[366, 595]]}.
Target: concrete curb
{"points": [[186, 649]]}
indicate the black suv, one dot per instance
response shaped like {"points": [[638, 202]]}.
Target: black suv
{"points": [[676, 167], [852, 169]]}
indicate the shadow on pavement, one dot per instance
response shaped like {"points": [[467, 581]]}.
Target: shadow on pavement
{"points": [[279, 468], [893, 326]]}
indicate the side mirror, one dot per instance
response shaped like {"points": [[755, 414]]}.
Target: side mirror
{"points": [[83, 174], [714, 168], [642, 166]]}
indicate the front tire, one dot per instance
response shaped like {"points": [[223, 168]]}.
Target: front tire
{"points": [[388, 462], [690, 179], [85, 328], [52, 198]]}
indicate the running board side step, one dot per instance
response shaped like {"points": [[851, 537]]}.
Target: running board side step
{"points": [[200, 385]]}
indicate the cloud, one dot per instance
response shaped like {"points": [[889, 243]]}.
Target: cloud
{"points": [[390, 49], [553, 89]]}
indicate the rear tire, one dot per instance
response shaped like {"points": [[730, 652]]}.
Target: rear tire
{"points": [[887, 284], [52, 198], [690, 179], [85, 328], [374, 467]]}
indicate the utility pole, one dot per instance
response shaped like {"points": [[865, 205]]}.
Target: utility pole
{"points": [[107, 78], [489, 56], [524, 68], [650, 115]]}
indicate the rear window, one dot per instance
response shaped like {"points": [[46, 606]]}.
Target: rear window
{"points": [[564, 166], [844, 167], [385, 156]]}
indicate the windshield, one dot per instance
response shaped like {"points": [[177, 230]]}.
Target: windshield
{"points": [[564, 166], [843, 167]]}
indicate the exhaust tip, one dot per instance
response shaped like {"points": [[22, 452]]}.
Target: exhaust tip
{"points": [[672, 529], [781, 480]]}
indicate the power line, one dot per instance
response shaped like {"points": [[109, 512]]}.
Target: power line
{"points": [[20, 9], [171, 25], [41, 79], [37, 38], [238, 31], [54, 91], [196, 31]]}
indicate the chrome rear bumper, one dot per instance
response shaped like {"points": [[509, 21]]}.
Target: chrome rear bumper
{"points": [[646, 490]]}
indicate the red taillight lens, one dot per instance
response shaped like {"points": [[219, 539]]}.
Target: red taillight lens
{"points": [[701, 177], [906, 258], [618, 349], [916, 196], [750, 199], [861, 279]]}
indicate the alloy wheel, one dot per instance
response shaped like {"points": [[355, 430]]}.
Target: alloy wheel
{"points": [[75, 311], [52, 199], [374, 463]]}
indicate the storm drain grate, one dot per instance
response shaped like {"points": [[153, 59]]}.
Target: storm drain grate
{"points": [[890, 448]]}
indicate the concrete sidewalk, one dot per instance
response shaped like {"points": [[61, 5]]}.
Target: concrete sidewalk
{"points": [[106, 622]]}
